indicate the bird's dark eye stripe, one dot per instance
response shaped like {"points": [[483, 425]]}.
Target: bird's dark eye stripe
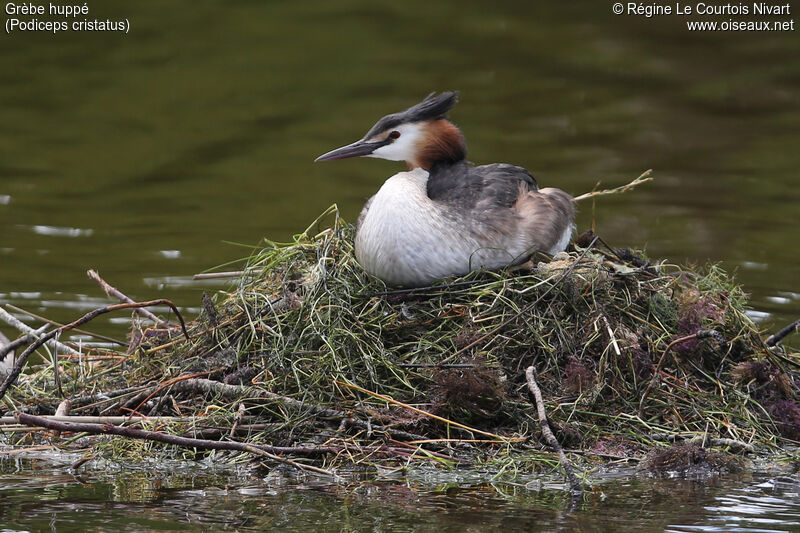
{"points": [[394, 135]]}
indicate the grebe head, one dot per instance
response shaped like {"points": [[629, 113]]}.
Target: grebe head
{"points": [[420, 136]]}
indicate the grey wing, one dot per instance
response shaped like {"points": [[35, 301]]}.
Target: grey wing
{"points": [[502, 184], [548, 218], [465, 187]]}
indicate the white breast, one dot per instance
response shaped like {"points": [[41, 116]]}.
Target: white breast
{"points": [[407, 239]]}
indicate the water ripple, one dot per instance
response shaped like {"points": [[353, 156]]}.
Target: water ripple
{"points": [[760, 508], [58, 231]]}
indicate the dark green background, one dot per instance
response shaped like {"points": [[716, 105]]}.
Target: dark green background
{"points": [[139, 154]]}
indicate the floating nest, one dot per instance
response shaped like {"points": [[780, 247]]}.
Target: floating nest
{"points": [[309, 357]]}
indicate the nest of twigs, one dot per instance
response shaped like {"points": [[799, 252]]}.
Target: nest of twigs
{"points": [[308, 352]]}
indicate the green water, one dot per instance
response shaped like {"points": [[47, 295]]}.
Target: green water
{"points": [[144, 155], [140, 155]]}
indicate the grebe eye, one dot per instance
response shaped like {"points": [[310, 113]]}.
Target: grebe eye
{"points": [[394, 135]]}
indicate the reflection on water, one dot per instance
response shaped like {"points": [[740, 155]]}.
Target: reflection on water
{"points": [[768, 506], [198, 497]]}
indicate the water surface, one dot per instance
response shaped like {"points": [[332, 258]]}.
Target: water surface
{"points": [[37, 495], [143, 155]]}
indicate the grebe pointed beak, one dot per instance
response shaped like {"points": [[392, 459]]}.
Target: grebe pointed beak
{"points": [[356, 149]]}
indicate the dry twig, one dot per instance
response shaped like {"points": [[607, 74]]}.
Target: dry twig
{"points": [[575, 485], [644, 178], [20, 362], [186, 442], [116, 293], [778, 337], [26, 329]]}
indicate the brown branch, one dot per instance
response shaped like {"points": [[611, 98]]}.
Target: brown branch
{"points": [[102, 420], [778, 337], [54, 323], [90, 400], [20, 363], [185, 442], [80, 462], [205, 444], [575, 485], [116, 293], [26, 338], [166, 385], [11, 320]]}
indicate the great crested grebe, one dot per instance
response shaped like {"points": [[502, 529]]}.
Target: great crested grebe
{"points": [[445, 216]]}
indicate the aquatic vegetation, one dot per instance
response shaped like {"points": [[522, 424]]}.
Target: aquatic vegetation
{"points": [[309, 357]]}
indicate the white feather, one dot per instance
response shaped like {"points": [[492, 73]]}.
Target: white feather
{"points": [[407, 239], [405, 147], [562, 243]]}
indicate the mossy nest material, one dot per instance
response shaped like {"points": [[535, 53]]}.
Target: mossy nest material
{"points": [[306, 322]]}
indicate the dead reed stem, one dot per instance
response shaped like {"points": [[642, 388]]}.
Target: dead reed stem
{"points": [[575, 485]]}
